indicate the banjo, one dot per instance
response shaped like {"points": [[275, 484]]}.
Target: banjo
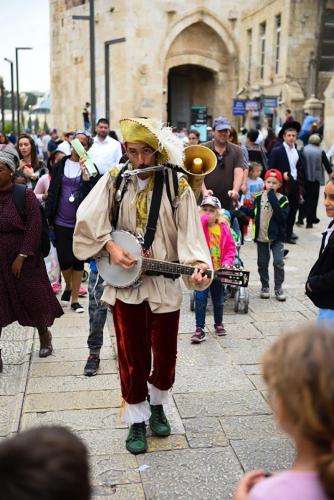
{"points": [[118, 277]]}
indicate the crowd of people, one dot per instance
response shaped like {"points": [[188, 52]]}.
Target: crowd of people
{"points": [[260, 182]]}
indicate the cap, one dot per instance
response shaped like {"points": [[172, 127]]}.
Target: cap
{"points": [[221, 123], [272, 172], [212, 201]]}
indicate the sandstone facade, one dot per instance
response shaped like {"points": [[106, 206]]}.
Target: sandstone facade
{"points": [[182, 54]]}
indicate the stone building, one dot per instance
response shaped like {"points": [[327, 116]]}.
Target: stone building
{"points": [[183, 54]]}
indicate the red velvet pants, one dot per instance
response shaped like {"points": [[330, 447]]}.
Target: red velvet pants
{"points": [[140, 335]]}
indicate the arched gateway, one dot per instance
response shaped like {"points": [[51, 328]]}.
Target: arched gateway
{"points": [[200, 67]]}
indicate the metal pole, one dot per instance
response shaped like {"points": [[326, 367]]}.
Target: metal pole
{"points": [[107, 71], [12, 91], [17, 92], [3, 106], [92, 63]]}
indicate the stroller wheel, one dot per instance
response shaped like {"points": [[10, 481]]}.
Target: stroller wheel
{"points": [[192, 302], [84, 276]]}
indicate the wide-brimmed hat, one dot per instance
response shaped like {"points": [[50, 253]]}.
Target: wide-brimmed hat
{"points": [[293, 124], [169, 148]]}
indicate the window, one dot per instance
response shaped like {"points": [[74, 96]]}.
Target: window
{"points": [[327, 42], [262, 48], [277, 42], [249, 45]]}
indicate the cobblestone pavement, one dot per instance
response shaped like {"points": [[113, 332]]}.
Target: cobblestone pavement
{"points": [[221, 420]]}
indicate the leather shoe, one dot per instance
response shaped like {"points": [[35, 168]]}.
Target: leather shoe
{"points": [[158, 421], [290, 241], [136, 441], [294, 236], [316, 220], [309, 225], [45, 340]]}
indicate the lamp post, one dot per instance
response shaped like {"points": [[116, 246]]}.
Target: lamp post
{"points": [[107, 71], [12, 90], [91, 19], [17, 83]]}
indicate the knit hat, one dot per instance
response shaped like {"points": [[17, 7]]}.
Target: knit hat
{"points": [[9, 156], [272, 172], [212, 201], [168, 146]]}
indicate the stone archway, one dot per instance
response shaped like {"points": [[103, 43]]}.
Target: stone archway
{"points": [[197, 59]]}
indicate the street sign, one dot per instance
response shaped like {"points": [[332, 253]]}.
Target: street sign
{"points": [[239, 107], [252, 105], [270, 102], [199, 115]]}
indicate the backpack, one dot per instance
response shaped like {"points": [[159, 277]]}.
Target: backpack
{"points": [[20, 204]]}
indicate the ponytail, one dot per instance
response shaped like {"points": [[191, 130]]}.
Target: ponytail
{"points": [[325, 467]]}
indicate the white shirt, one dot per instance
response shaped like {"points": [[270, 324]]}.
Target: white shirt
{"points": [[65, 148], [105, 154], [293, 158], [328, 232], [72, 169]]}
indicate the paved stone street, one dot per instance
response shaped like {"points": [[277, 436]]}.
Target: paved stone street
{"points": [[221, 420]]}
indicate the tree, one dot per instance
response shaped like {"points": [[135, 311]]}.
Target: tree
{"points": [[36, 124], [29, 124]]}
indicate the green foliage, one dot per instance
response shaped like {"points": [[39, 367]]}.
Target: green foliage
{"points": [[36, 124]]}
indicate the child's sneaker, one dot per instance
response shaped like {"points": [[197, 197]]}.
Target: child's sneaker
{"points": [[198, 336], [279, 294], [82, 292], [56, 287], [220, 330], [264, 294]]}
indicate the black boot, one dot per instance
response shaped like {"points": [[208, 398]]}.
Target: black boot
{"points": [[1, 364], [45, 339]]}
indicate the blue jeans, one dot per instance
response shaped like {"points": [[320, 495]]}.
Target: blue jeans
{"points": [[326, 315], [97, 313], [201, 299], [263, 257]]}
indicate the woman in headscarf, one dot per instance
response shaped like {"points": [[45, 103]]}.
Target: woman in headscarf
{"points": [[25, 292]]}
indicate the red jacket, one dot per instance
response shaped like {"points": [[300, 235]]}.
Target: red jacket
{"points": [[227, 243]]}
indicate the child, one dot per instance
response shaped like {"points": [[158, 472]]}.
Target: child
{"points": [[254, 185], [222, 248], [271, 210], [320, 283], [299, 372]]}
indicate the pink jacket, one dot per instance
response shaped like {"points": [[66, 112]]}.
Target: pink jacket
{"points": [[227, 243]]}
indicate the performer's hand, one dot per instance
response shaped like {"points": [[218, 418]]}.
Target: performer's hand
{"points": [[207, 192], [247, 483], [232, 193], [17, 266], [119, 256], [197, 277], [29, 171]]}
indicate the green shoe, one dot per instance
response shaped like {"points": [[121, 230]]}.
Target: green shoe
{"points": [[136, 441], [158, 421]]}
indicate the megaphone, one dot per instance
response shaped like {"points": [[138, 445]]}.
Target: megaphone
{"points": [[199, 161]]}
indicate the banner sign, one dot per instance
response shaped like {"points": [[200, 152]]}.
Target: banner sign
{"points": [[252, 105], [199, 115], [239, 107], [270, 102]]}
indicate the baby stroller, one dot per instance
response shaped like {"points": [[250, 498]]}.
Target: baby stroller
{"points": [[238, 293]]}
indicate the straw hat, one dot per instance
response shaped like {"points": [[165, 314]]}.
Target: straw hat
{"points": [[168, 146]]}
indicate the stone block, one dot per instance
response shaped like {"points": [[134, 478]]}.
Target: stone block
{"points": [[269, 328], [72, 400], [17, 332], [206, 439], [270, 454], [10, 412], [190, 473], [72, 383], [249, 427], [70, 368], [258, 382], [105, 441], [221, 403], [119, 492], [252, 369], [13, 379], [202, 424], [172, 442], [114, 469], [249, 356], [76, 342], [209, 378], [60, 355], [15, 352], [208, 353]]}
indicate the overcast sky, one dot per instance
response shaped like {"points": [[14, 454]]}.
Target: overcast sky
{"points": [[26, 24]]}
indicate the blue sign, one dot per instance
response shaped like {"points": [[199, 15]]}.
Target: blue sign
{"points": [[239, 108], [270, 102], [252, 105]]}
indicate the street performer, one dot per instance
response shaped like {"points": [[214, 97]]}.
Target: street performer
{"points": [[146, 317]]}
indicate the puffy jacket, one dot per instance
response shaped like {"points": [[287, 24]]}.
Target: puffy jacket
{"points": [[227, 243]]}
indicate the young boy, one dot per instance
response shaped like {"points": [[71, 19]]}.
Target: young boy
{"points": [[271, 210], [320, 283]]}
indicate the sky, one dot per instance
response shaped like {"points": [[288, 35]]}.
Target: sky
{"points": [[26, 24]]}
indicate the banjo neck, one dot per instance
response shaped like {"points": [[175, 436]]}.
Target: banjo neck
{"points": [[162, 266]]}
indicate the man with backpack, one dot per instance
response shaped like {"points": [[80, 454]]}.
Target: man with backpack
{"points": [[146, 317]]}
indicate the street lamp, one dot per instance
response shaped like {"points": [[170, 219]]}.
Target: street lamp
{"points": [[17, 84], [12, 90]]}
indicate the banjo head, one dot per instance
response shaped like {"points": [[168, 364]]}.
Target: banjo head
{"points": [[115, 275]]}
